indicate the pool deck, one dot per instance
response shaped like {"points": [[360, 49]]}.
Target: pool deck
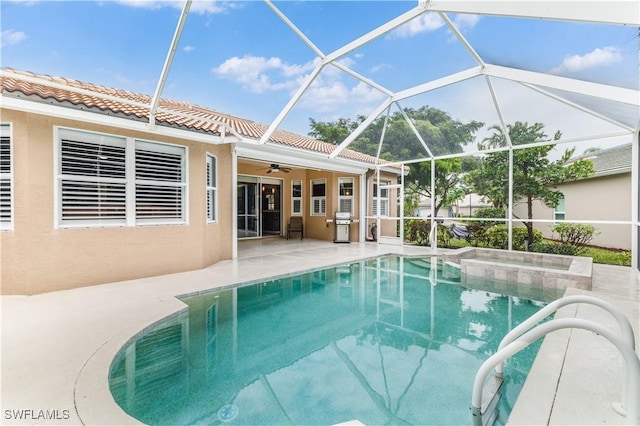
{"points": [[57, 347]]}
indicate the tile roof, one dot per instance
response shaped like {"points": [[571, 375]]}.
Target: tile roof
{"points": [[170, 113], [609, 161]]}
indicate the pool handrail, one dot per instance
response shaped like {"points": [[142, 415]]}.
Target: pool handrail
{"points": [[624, 323], [632, 362]]}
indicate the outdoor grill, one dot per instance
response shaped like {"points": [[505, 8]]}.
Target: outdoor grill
{"points": [[342, 222]]}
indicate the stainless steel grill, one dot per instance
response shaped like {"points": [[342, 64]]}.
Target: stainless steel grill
{"points": [[342, 222]]}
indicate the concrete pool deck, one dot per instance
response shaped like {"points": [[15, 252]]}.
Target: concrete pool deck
{"points": [[56, 347]]}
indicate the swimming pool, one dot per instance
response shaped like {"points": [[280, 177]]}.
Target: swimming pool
{"points": [[383, 341]]}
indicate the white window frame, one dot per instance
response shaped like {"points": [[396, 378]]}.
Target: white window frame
{"points": [[130, 181], [384, 201], [322, 200], [557, 212], [212, 189], [6, 130], [164, 148], [346, 197], [295, 212]]}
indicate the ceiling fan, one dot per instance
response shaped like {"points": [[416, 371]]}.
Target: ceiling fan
{"points": [[275, 168]]}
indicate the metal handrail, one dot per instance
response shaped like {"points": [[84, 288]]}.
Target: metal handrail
{"points": [[632, 362], [624, 323]]}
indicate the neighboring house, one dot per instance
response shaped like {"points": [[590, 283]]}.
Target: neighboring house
{"points": [[97, 186], [424, 209], [469, 205], [464, 207], [602, 196]]}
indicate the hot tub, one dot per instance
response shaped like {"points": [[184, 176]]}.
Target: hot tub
{"points": [[549, 274]]}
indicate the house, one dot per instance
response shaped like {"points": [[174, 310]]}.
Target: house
{"points": [[469, 205], [101, 185], [466, 206], [604, 196]]}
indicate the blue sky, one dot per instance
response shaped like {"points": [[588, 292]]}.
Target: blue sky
{"points": [[240, 58]]}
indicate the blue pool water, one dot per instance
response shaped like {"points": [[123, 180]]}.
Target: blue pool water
{"points": [[383, 341]]}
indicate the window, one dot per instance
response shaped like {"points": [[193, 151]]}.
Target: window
{"points": [[212, 188], [110, 180], [296, 198], [92, 178], [6, 178], [345, 195], [160, 185], [383, 197], [318, 197], [558, 211]]}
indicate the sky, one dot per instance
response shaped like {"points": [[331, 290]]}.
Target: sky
{"points": [[240, 58]]}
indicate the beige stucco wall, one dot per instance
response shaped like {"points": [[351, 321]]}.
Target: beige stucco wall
{"points": [[603, 198], [36, 257]]}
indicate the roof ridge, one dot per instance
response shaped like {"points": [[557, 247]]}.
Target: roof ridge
{"points": [[194, 117]]}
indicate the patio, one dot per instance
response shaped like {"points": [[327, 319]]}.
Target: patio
{"points": [[57, 346]]}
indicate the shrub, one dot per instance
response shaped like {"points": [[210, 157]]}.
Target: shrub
{"points": [[489, 213], [477, 236], [445, 233], [417, 231], [575, 235], [498, 237], [553, 248]]}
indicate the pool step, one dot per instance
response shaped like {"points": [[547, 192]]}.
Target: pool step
{"points": [[451, 270]]}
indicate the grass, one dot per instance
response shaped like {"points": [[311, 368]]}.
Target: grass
{"points": [[608, 256], [599, 254]]}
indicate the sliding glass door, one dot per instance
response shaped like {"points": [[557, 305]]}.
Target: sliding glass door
{"points": [[248, 217], [259, 206]]}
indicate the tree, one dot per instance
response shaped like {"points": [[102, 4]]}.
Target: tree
{"points": [[534, 174], [334, 132], [441, 133], [448, 187]]}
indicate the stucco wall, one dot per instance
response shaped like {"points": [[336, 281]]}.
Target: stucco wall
{"points": [[603, 198], [36, 257]]}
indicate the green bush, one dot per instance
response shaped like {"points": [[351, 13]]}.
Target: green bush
{"points": [[497, 236], [489, 213], [476, 234], [417, 231], [553, 248], [575, 235]]}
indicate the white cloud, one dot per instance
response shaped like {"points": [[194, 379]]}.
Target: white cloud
{"points": [[465, 22], [380, 67], [189, 49], [11, 37], [258, 74], [598, 57], [428, 22], [201, 7], [423, 23], [325, 96]]}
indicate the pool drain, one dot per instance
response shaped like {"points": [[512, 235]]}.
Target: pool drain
{"points": [[227, 413]]}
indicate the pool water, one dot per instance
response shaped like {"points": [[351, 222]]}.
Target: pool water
{"points": [[383, 341]]}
